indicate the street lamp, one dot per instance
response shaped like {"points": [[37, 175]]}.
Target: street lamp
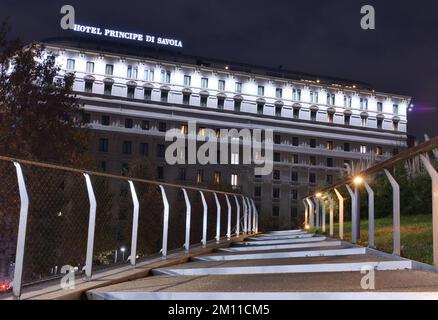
{"points": [[123, 249], [358, 180]]}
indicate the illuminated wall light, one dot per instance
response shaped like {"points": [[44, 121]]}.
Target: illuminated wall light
{"points": [[318, 195], [358, 180]]}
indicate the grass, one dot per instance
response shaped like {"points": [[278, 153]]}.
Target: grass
{"points": [[416, 236]]}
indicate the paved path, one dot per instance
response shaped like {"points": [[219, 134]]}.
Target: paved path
{"points": [[282, 265]]}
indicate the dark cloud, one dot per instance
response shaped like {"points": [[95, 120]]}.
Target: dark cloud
{"points": [[316, 36]]}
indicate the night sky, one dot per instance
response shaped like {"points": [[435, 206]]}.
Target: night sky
{"points": [[313, 36]]}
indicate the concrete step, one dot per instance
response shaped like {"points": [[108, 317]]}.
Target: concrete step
{"points": [[296, 236], [330, 243], [268, 242]]}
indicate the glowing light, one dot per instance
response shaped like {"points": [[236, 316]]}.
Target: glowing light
{"points": [[307, 227], [123, 249], [318, 195], [358, 180], [227, 67], [318, 81]]}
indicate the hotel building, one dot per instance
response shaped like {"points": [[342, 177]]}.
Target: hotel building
{"points": [[132, 95]]}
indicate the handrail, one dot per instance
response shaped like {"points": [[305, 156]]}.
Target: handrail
{"points": [[108, 175]]}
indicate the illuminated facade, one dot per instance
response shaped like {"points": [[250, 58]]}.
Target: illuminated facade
{"points": [[131, 97]]}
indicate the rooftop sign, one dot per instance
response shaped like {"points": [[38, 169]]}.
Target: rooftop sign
{"points": [[104, 32]]}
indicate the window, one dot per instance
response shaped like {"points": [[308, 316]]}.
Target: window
{"points": [[295, 141], [237, 105], [312, 160], [234, 158], [346, 147], [395, 151], [276, 193], [131, 92], [296, 113], [165, 76], [278, 111], [221, 85], [313, 143], [127, 147], [312, 178], [70, 64], [220, 103], [88, 86], [330, 117], [147, 94], [164, 96], [347, 101], [296, 94], [161, 150], [109, 69], [313, 96], [277, 139], [261, 90], [132, 72], [217, 177], [200, 176], [395, 108], [330, 99], [363, 149], [103, 166], [107, 89], [395, 125], [144, 125], [379, 123], [260, 107], [204, 101], [201, 131], [295, 158], [105, 120], [347, 119], [276, 174], [103, 145], [186, 98], [184, 129], [364, 122], [162, 126], [144, 148], [277, 157], [182, 174], [234, 180], [329, 179], [379, 107], [279, 93], [364, 103], [329, 145], [86, 118], [125, 169], [129, 123], [160, 172], [294, 176], [275, 211], [238, 87], [294, 194], [330, 162], [293, 212], [204, 83], [89, 67], [313, 115], [379, 150], [257, 191], [187, 80], [148, 75]]}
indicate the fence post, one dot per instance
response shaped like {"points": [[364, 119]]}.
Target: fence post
{"points": [[323, 214], [353, 214], [254, 215], [218, 218], [434, 176], [245, 216], [331, 209], [317, 213], [165, 222], [306, 214], [21, 238], [249, 221], [312, 212], [204, 221], [229, 217], [395, 211], [341, 214], [238, 216], [370, 214], [136, 208], [188, 220], [91, 228]]}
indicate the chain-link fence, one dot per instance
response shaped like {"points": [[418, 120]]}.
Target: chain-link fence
{"points": [[61, 219]]}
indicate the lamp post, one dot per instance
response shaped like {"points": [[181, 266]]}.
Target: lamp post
{"points": [[123, 249]]}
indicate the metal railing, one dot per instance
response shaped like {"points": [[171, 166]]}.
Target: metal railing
{"points": [[315, 205], [53, 216]]}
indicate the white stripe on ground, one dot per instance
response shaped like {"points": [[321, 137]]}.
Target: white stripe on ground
{"points": [[283, 246]]}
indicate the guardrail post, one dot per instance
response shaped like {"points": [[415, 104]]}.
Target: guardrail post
{"points": [[357, 196], [255, 216], [434, 176], [317, 213], [331, 208], [229, 217], [353, 214], [249, 221], [312, 213], [323, 214], [188, 220], [341, 214], [204, 221], [395, 211], [306, 214], [135, 213], [237, 216], [21, 238], [370, 214], [218, 218], [245, 216], [165, 222], [91, 228]]}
